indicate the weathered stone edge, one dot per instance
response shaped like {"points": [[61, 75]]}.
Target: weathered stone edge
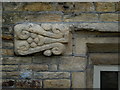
{"points": [[103, 27]]}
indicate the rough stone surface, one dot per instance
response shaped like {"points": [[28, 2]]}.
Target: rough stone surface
{"points": [[28, 84], [28, 6], [8, 83], [109, 17], [83, 7], [34, 67], [102, 59], [105, 6], [39, 59], [111, 27], [7, 30], [13, 6], [60, 83], [12, 18], [53, 67], [0, 34], [78, 80], [0, 6], [17, 60], [38, 7], [52, 75], [69, 46], [118, 6], [7, 44], [1, 82], [7, 52], [21, 84], [10, 67], [72, 63], [75, 7], [7, 37], [47, 17], [89, 77], [11, 75], [82, 17]]}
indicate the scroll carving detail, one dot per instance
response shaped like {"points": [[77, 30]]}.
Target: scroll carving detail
{"points": [[49, 38]]}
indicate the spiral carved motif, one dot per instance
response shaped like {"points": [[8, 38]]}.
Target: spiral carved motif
{"points": [[31, 38]]}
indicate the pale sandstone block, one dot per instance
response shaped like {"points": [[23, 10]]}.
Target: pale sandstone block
{"points": [[84, 6], [89, 77], [7, 44], [51, 75], [72, 63], [83, 17], [78, 80], [12, 75], [106, 27], [40, 59], [34, 67], [112, 17], [9, 67], [104, 58], [61, 83], [105, 6], [8, 52], [16, 60], [53, 67]]}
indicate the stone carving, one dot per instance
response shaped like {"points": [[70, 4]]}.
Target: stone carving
{"points": [[49, 38]]}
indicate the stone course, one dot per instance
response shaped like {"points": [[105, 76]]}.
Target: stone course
{"points": [[109, 17], [11, 75], [72, 64], [105, 6], [34, 67], [82, 17], [9, 67], [60, 83], [17, 60], [52, 75]]}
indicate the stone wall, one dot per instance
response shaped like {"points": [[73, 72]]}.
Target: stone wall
{"points": [[67, 70]]}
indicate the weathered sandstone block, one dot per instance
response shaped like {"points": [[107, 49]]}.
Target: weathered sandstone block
{"points": [[78, 80], [72, 63], [61, 83], [52, 75]]}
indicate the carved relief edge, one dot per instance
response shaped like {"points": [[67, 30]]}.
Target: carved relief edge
{"points": [[31, 38]]}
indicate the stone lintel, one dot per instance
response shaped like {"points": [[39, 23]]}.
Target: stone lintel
{"points": [[102, 27], [104, 58]]}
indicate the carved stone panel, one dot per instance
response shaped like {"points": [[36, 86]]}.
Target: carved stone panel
{"points": [[49, 38]]}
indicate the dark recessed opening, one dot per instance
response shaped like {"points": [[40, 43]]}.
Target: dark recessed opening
{"points": [[109, 79]]}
